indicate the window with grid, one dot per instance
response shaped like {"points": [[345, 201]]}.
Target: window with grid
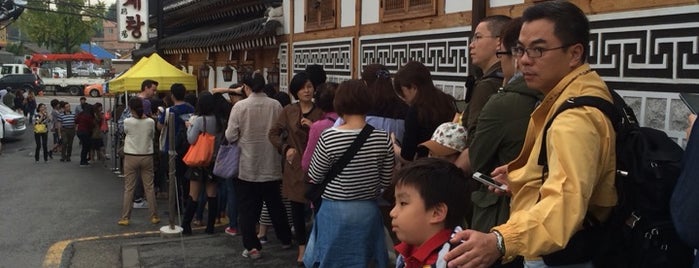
{"points": [[404, 9], [320, 14]]}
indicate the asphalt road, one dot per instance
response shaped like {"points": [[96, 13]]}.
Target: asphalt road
{"points": [[58, 214], [44, 203]]}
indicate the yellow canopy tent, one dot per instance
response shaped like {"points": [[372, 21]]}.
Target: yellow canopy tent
{"points": [[154, 68]]}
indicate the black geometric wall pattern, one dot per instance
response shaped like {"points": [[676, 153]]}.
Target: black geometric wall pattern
{"points": [[654, 50], [335, 55]]}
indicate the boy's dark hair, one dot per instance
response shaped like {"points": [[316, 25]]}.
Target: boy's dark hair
{"points": [[83, 98], [54, 103], [297, 82], [438, 181], [352, 97], [255, 82], [148, 83], [570, 23], [316, 74], [178, 90], [326, 96]]}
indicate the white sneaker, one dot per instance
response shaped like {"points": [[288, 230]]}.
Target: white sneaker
{"points": [[142, 204], [252, 254]]}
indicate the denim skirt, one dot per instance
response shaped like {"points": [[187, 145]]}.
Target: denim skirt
{"points": [[347, 234]]}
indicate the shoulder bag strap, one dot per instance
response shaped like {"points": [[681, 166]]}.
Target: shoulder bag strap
{"points": [[348, 155]]}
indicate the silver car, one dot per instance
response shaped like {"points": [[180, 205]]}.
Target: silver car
{"points": [[13, 123]]}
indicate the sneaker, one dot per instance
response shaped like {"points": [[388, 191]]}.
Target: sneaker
{"points": [[142, 204], [287, 246], [252, 254], [263, 239], [231, 231], [154, 220], [123, 222], [121, 176]]}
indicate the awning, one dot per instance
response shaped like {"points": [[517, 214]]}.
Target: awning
{"points": [[97, 51]]}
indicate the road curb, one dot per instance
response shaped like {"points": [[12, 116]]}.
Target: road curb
{"points": [[57, 256]]}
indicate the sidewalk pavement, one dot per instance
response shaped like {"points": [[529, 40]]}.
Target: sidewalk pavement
{"points": [[197, 250]]}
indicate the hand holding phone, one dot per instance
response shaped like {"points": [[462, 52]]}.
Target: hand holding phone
{"points": [[489, 181]]}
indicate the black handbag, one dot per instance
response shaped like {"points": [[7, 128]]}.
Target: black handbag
{"points": [[315, 191]]}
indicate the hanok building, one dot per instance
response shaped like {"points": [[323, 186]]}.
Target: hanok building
{"points": [[647, 50]]}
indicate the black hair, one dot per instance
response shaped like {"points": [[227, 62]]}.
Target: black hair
{"points": [[83, 98], [178, 90], [222, 110], [191, 99], [54, 103], [148, 83], [316, 74], [283, 98], [298, 82], [510, 34], [206, 104], [571, 25], [386, 103], [326, 96], [39, 106], [255, 82], [269, 90], [496, 23], [352, 97], [438, 181], [136, 104]]}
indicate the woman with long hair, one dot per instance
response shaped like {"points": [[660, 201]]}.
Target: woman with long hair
{"points": [[428, 108], [41, 132], [348, 229], [290, 135], [205, 120], [138, 157]]}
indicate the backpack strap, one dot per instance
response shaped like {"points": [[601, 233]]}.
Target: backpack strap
{"points": [[601, 104]]}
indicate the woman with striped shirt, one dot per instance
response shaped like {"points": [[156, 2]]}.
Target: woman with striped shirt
{"points": [[348, 230]]}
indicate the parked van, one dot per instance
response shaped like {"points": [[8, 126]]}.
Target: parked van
{"points": [[14, 68]]}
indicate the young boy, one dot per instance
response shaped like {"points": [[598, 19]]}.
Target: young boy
{"points": [[430, 202]]}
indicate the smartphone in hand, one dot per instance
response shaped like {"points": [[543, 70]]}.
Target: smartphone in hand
{"points": [[489, 181]]}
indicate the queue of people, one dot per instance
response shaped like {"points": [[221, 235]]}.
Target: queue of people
{"points": [[395, 140]]}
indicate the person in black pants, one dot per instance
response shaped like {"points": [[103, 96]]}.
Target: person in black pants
{"points": [[41, 133]]}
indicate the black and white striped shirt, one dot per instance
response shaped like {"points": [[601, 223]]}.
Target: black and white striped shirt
{"points": [[365, 175]]}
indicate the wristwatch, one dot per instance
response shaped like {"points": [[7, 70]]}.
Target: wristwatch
{"points": [[500, 242]]}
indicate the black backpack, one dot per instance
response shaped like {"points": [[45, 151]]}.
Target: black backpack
{"points": [[639, 233]]}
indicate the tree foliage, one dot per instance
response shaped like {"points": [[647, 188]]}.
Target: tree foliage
{"points": [[61, 27]]}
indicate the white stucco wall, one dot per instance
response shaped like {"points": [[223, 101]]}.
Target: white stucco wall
{"points": [[348, 13], [298, 16], [500, 3], [286, 5], [370, 11], [453, 6]]}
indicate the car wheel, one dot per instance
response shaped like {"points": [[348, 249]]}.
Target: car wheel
{"points": [[94, 93], [74, 90]]}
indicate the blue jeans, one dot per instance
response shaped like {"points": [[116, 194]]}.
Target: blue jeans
{"points": [[231, 203]]}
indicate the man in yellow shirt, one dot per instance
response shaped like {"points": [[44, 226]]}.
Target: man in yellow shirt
{"points": [[548, 208]]}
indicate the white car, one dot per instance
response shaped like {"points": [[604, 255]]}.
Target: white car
{"points": [[13, 123]]}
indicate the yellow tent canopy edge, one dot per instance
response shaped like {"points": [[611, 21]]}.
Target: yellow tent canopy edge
{"points": [[154, 68]]}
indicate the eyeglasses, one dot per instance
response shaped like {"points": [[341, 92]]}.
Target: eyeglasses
{"points": [[499, 54], [533, 52], [475, 38]]}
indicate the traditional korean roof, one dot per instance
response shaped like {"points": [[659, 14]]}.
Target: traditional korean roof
{"points": [[227, 37]]}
